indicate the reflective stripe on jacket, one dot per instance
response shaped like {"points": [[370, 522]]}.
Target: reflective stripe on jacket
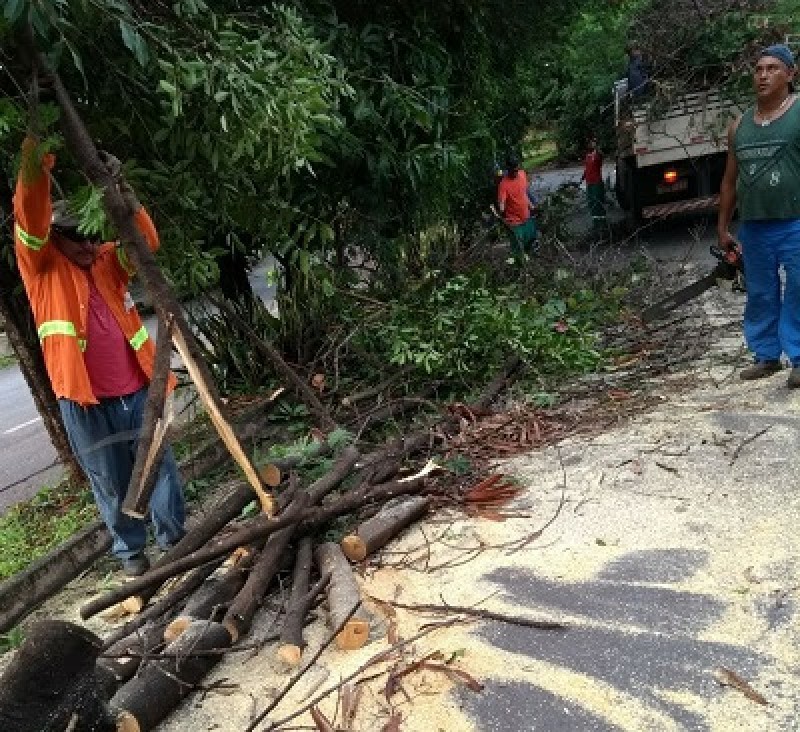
{"points": [[59, 291]]}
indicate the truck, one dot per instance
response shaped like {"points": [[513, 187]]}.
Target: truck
{"points": [[671, 151]]}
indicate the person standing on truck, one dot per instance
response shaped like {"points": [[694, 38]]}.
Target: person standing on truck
{"points": [[514, 202], [638, 78], [98, 354], [595, 189], [762, 180]]}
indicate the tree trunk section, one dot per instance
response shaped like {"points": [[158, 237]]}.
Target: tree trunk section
{"points": [[343, 595], [290, 648], [378, 531], [51, 684], [159, 687]]}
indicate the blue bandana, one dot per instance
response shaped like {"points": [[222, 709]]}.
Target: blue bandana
{"points": [[779, 51]]}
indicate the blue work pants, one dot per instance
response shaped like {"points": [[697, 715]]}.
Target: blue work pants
{"points": [[104, 439], [772, 318]]}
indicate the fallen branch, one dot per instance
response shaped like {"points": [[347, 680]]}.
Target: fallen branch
{"points": [[315, 406], [747, 440], [477, 612]]}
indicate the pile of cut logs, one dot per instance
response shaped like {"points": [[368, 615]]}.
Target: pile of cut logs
{"points": [[222, 572]]}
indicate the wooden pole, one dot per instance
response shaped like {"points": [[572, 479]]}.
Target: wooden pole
{"points": [[155, 424]]}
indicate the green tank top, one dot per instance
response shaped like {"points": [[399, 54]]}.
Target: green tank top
{"points": [[768, 163]]}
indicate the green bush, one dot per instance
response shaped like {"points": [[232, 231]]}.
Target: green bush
{"points": [[464, 328]]}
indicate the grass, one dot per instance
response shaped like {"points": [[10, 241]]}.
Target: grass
{"points": [[6, 361], [539, 148], [31, 529]]}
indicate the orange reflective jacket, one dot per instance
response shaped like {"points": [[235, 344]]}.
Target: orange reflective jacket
{"points": [[58, 290]]}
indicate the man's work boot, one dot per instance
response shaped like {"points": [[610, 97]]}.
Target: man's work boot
{"points": [[761, 369], [135, 566], [794, 378]]}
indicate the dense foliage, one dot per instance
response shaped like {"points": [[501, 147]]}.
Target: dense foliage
{"points": [[303, 130]]}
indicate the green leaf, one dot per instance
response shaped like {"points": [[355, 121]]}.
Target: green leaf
{"points": [[134, 42], [14, 9]]}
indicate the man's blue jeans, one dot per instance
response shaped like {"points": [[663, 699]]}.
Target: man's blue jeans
{"points": [[772, 322], [104, 438]]}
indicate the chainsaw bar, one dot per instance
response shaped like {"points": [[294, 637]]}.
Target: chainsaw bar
{"points": [[676, 299]]}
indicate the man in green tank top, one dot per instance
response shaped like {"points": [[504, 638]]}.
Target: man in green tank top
{"points": [[762, 180]]}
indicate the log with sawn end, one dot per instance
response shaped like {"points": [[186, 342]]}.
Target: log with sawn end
{"points": [[291, 644], [376, 532], [343, 594], [147, 699]]}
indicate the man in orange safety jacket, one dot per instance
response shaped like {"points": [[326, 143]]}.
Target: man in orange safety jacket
{"points": [[98, 354]]}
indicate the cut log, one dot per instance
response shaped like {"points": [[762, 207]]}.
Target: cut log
{"points": [[121, 667], [343, 595], [260, 528], [290, 648], [164, 606], [378, 531], [51, 684], [148, 698]]}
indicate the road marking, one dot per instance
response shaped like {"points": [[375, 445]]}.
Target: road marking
{"points": [[22, 426]]}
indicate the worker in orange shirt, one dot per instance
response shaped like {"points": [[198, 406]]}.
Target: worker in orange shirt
{"points": [[513, 200], [98, 354]]}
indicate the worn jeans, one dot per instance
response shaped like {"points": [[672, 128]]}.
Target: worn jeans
{"points": [[772, 319], [104, 439]]}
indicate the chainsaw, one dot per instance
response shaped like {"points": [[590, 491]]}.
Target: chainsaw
{"points": [[729, 267]]}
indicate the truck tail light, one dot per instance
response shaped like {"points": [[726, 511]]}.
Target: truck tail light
{"points": [[670, 176]]}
